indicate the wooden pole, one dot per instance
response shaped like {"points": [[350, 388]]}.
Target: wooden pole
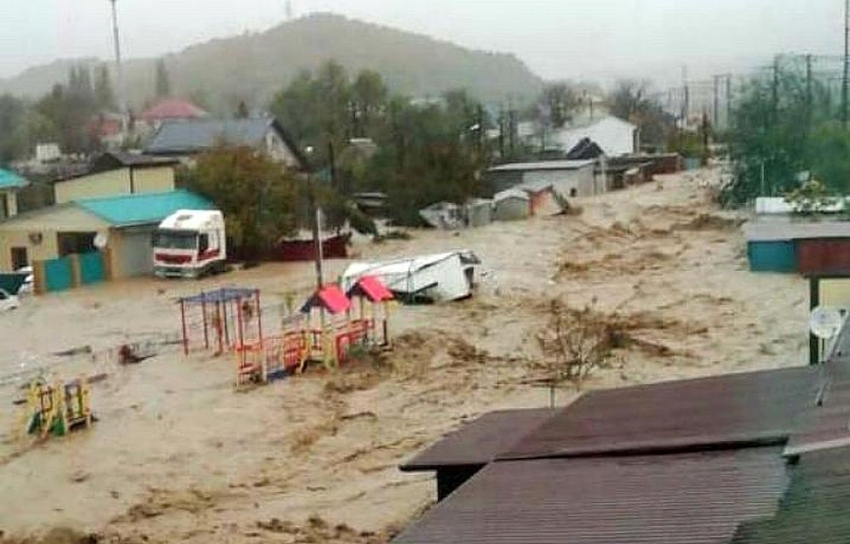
{"points": [[240, 323], [183, 322], [259, 316], [219, 327], [206, 331]]}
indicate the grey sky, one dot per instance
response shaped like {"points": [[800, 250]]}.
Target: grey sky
{"points": [[557, 38]]}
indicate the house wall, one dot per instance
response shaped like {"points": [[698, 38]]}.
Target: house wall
{"points": [[834, 292], [614, 136], [159, 179], [116, 182], [817, 257], [563, 181], [277, 149], [772, 256], [113, 183], [511, 209], [46, 225]]}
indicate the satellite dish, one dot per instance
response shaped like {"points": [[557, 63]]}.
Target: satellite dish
{"points": [[825, 323], [100, 240]]}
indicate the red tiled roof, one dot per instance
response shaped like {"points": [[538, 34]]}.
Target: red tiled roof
{"points": [[172, 109], [329, 297], [372, 288]]}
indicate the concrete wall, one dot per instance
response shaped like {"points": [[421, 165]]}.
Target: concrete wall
{"points": [[563, 181], [115, 183]]}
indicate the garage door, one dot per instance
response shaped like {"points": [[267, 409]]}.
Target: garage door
{"points": [[136, 253]]}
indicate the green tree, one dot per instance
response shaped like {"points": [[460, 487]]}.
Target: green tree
{"points": [[784, 124], [634, 101], [13, 129], [163, 81], [257, 196], [560, 100], [370, 96], [103, 92]]}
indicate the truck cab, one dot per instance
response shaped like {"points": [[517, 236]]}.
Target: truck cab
{"points": [[190, 244]]}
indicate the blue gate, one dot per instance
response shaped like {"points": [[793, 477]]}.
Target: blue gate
{"points": [[91, 268], [58, 274]]}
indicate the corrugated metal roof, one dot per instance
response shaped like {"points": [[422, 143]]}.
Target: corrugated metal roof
{"points": [[542, 165], [735, 409], [770, 231], [11, 180], [813, 509], [694, 498], [480, 441], [203, 134], [143, 209]]}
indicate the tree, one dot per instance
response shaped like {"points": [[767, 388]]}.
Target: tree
{"points": [[103, 92], [163, 81], [783, 124], [560, 100], [242, 110], [633, 101], [13, 130], [257, 196], [369, 98]]}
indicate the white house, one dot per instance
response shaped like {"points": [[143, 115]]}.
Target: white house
{"points": [[613, 135]]}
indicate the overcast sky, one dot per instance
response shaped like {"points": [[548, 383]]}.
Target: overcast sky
{"points": [[557, 38]]}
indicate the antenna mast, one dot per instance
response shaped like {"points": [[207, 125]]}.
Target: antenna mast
{"points": [[119, 76]]}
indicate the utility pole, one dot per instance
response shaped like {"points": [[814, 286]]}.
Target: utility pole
{"points": [[716, 111], [728, 100], [776, 87], [686, 97], [844, 82], [119, 75]]}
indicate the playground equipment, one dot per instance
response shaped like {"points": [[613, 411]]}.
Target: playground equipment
{"points": [[230, 318], [273, 357], [328, 325], [372, 299], [58, 408]]}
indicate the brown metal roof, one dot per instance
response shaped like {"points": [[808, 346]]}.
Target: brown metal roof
{"points": [[480, 441], [735, 410], [695, 498]]}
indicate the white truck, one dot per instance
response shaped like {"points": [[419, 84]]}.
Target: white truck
{"points": [[190, 244]]}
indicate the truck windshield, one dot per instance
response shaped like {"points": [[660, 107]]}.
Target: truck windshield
{"points": [[175, 240]]}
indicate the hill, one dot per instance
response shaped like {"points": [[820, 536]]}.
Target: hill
{"points": [[252, 67]]}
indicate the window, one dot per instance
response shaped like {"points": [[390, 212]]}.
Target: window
{"points": [[203, 243]]}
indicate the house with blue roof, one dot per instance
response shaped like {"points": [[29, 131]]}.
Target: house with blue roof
{"points": [[10, 184], [122, 225], [188, 138]]}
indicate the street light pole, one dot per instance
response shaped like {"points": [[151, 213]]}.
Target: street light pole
{"points": [[119, 76], [316, 220]]}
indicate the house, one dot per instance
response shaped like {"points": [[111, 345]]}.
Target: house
{"points": [[118, 173], [612, 135], [567, 178], [739, 458], [10, 184], [107, 129], [122, 225], [186, 139], [809, 248], [164, 111]]}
